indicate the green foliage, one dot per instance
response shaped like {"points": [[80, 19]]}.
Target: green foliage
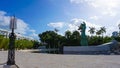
{"points": [[72, 38], [68, 34], [101, 31], [92, 30], [24, 44], [19, 44], [54, 40], [51, 38], [97, 40], [3, 42], [36, 44], [117, 38]]}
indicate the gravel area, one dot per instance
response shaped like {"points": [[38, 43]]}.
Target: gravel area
{"points": [[38, 60]]}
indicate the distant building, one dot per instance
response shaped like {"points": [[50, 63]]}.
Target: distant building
{"points": [[6, 33]]}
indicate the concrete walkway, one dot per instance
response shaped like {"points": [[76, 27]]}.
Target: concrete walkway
{"points": [[37, 60]]}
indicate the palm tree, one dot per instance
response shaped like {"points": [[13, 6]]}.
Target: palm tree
{"points": [[56, 30], [75, 39], [68, 34], [103, 30], [76, 34], [98, 32], [119, 29], [92, 30]]}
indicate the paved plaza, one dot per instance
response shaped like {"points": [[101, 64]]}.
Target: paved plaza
{"points": [[38, 60]]}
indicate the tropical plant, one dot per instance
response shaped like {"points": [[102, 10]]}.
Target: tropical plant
{"points": [[119, 29], [92, 30], [56, 30], [49, 37], [103, 30], [19, 44], [98, 32], [68, 34], [75, 38]]}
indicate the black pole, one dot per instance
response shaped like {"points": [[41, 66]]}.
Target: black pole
{"points": [[11, 50]]}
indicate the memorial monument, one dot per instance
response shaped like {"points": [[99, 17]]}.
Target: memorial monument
{"points": [[83, 41], [106, 48]]}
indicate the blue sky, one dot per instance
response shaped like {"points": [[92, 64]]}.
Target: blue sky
{"points": [[37, 16]]}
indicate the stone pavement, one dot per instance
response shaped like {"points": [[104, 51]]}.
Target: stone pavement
{"points": [[38, 60]]}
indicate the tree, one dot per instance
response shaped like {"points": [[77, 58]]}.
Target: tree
{"points": [[75, 38], [103, 30], [98, 32], [92, 30], [56, 30], [36, 44], [76, 35], [51, 38], [72, 38], [119, 29], [68, 34]]}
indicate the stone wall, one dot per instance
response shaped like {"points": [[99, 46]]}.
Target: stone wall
{"points": [[106, 48]]}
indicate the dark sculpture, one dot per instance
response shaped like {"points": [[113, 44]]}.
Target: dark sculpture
{"points": [[83, 41]]}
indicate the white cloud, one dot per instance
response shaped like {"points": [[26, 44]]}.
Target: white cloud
{"points": [[2, 13], [33, 33], [106, 7], [56, 24], [107, 13], [76, 1], [118, 22], [75, 22], [110, 13], [108, 4], [73, 25], [94, 17], [22, 26], [4, 20], [110, 30], [92, 25], [32, 30]]}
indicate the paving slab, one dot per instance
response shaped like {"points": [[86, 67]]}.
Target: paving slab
{"points": [[39, 60]]}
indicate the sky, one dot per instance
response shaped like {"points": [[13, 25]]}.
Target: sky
{"points": [[37, 16]]}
